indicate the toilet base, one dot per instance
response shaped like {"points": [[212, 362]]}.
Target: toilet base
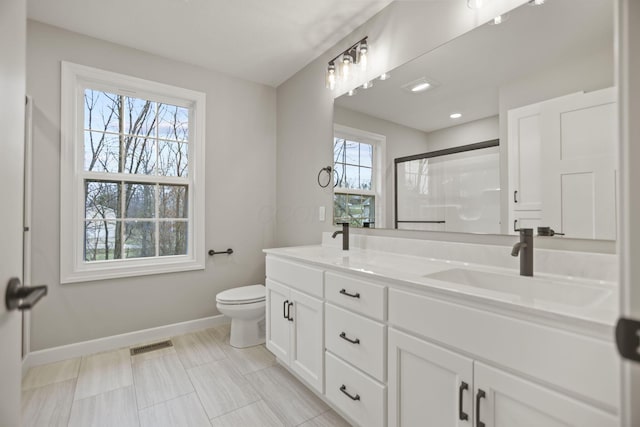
{"points": [[247, 333]]}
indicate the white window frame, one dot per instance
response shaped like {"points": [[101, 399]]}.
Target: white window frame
{"points": [[379, 143], [75, 79]]}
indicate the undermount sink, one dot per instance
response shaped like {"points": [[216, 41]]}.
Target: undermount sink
{"points": [[527, 288]]}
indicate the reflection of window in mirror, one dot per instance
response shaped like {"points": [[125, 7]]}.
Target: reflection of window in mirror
{"points": [[358, 159]]}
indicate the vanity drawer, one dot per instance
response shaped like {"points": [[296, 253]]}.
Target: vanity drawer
{"points": [[368, 401], [368, 353], [298, 276], [357, 295]]}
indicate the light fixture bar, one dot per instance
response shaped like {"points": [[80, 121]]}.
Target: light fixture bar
{"points": [[353, 46]]}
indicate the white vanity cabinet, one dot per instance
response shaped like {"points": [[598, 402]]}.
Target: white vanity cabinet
{"points": [[385, 352], [295, 320], [506, 400], [427, 382]]}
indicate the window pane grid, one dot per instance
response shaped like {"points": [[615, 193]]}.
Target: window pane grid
{"points": [[353, 162], [136, 157]]}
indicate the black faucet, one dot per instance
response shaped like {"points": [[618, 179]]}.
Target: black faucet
{"points": [[345, 235], [524, 248]]}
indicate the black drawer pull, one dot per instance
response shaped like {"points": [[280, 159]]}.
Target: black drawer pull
{"points": [[289, 312], [461, 414], [285, 304], [343, 335], [344, 292], [343, 389], [481, 395]]}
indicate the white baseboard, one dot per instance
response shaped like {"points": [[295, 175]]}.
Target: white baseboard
{"points": [[85, 348]]}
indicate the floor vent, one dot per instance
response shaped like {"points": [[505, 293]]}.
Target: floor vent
{"points": [[151, 347]]}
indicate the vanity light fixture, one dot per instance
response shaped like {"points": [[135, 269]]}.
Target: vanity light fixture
{"points": [[367, 85], [474, 4], [356, 55], [455, 115], [351, 92], [385, 76]]}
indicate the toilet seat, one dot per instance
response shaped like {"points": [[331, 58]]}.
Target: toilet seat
{"points": [[242, 295]]}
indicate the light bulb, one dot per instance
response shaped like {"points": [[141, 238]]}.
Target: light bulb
{"points": [[346, 65], [364, 54], [363, 60], [497, 20], [351, 92], [367, 85], [385, 76], [474, 4], [331, 76]]}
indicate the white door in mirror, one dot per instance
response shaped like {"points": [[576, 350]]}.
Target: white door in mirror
{"points": [[579, 166]]}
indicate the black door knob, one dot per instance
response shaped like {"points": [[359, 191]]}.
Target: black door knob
{"points": [[22, 297]]}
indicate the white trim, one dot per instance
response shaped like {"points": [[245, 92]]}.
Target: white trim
{"points": [[114, 342], [379, 143], [28, 203], [72, 267]]}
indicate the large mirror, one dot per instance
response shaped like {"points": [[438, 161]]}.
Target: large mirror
{"points": [[511, 125]]}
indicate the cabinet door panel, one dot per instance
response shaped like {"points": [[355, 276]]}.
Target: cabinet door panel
{"points": [[308, 339], [424, 384], [278, 329], [515, 402]]}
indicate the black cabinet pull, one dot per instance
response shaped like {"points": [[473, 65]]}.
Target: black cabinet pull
{"points": [[285, 304], [461, 414], [480, 395], [343, 335], [515, 196], [343, 389], [344, 292], [289, 313], [515, 225]]}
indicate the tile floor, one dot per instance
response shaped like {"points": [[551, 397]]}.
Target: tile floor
{"points": [[200, 381]]}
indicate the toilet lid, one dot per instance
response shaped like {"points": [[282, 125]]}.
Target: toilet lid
{"points": [[243, 294]]}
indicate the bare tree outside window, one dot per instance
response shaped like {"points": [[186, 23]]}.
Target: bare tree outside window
{"points": [[126, 138], [353, 165]]}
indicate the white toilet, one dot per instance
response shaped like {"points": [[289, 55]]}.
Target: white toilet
{"points": [[246, 308]]}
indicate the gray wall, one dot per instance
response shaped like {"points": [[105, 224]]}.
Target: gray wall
{"points": [[397, 34], [240, 201]]}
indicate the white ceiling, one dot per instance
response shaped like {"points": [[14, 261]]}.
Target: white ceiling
{"points": [[470, 69], [265, 41]]}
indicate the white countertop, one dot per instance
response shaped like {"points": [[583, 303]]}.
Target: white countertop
{"points": [[559, 297]]}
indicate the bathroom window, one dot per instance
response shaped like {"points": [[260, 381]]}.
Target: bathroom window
{"points": [[358, 196], [132, 164]]}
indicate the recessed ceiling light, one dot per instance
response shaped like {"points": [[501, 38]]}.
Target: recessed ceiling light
{"points": [[455, 115], [498, 20], [421, 87], [385, 76]]}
